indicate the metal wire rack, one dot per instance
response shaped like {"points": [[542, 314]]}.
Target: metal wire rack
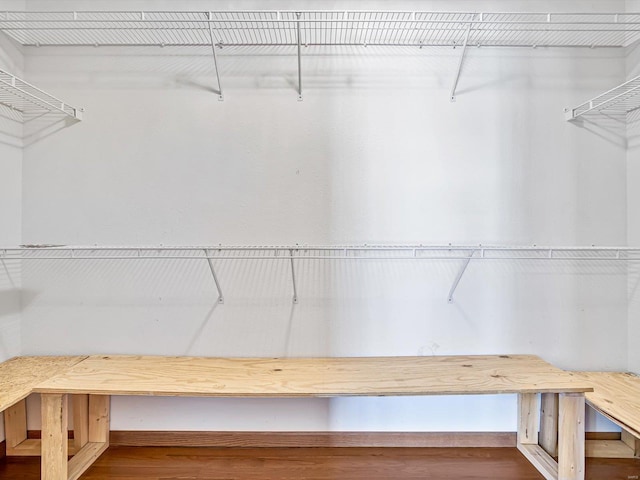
{"points": [[321, 28], [243, 28], [294, 253], [29, 102], [617, 102]]}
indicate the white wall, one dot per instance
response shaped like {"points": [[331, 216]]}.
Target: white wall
{"points": [[11, 60], [633, 208], [374, 154]]}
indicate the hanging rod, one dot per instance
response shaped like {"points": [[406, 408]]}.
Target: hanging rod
{"points": [[29, 101], [321, 27], [346, 252]]}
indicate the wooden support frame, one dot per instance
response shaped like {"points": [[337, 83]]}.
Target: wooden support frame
{"points": [[571, 434], [93, 415], [18, 443], [55, 448], [567, 432], [15, 425], [549, 406]]}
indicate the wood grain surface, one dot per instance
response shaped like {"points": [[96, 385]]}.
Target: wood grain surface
{"points": [[312, 377], [617, 396], [20, 375]]}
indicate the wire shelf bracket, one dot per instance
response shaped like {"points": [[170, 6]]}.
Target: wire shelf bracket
{"points": [[31, 102], [293, 278], [452, 97], [215, 277], [459, 276], [617, 102], [215, 58]]}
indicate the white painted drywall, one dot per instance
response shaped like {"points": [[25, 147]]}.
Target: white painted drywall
{"points": [[11, 60], [375, 153]]}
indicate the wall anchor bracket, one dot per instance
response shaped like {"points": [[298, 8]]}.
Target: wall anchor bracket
{"points": [[215, 277], [215, 57], [459, 276], [452, 97], [293, 278]]}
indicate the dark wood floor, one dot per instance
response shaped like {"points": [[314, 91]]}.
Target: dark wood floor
{"points": [[173, 463]]}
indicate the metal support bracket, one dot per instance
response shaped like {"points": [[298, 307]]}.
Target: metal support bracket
{"points": [[452, 97], [459, 276], [215, 57], [293, 278], [299, 57], [215, 277]]}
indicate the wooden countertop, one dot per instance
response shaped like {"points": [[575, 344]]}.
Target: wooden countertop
{"points": [[312, 377], [617, 396], [19, 375]]}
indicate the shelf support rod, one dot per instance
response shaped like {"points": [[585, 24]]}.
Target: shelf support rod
{"points": [[215, 57], [299, 57], [452, 97], [459, 276], [215, 277], [293, 278]]}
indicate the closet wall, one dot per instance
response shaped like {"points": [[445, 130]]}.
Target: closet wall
{"points": [[633, 206], [375, 153], [10, 213]]}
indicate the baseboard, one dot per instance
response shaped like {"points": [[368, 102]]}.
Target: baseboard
{"points": [[313, 439], [138, 438]]}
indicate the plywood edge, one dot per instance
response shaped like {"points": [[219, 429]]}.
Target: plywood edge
{"points": [[598, 408], [313, 439], [608, 449], [541, 460], [85, 458]]}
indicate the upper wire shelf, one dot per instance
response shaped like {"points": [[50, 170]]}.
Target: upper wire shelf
{"points": [[295, 253], [269, 28], [617, 102], [305, 252], [29, 102]]}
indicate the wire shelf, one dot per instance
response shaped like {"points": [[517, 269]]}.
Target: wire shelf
{"points": [[28, 102], [293, 254], [305, 252], [617, 102], [317, 28]]}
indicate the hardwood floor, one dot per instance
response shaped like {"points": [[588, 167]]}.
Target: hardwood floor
{"points": [[182, 463]]}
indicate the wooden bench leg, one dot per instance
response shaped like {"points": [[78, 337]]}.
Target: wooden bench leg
{"points": [[528, 410], [54, 437], [632, 442], [97, 436], [15, 425], [571, 451], [80, 421], [549, 423]]}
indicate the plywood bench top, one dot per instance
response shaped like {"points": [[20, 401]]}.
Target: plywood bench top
{"points": [[617, 396], [20, 375], [312, 377]]}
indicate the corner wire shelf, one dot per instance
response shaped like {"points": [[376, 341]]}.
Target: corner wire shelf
{"points": [[617, 102], [294, 253], [299, 29], [30, 102]]}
